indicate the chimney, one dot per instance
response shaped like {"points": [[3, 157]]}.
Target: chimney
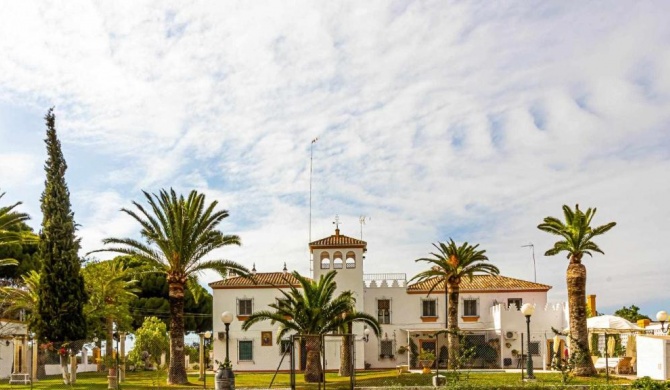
{"points": [[591, 304]]}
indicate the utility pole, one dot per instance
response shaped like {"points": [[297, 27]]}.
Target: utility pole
{"points": [[532, 248]]}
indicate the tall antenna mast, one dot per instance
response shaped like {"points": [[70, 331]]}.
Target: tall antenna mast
{"points": [[311, 158], [311, 155], [532, 248], [362, 219]]}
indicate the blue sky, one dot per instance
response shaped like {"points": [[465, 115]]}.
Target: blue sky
{"points": [[469, 120]]}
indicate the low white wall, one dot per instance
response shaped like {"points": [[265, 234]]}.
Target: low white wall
{"points": [[54, 369], [651, 357]]}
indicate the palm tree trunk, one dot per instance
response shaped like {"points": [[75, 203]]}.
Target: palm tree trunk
{"points": [[345, 356], [313, 365], [452, 335], [177, 368], [109, 338], [576, 281]]}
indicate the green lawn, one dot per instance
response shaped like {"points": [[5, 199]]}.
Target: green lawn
{"points": [[156, 380]]}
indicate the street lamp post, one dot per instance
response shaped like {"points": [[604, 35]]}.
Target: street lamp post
{"points": [[527, 309], [203, 363], [662, 317], [225, 378]]}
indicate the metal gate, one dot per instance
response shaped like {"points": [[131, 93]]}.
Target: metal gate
{"points": [[323, 360]]}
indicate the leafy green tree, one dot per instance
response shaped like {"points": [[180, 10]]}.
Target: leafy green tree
{"points": [[450, 264], [310, 311], [60, 309], [110, 296], [631, 314], [151, 341], [153, 298], [178, 232], [576, 239]]}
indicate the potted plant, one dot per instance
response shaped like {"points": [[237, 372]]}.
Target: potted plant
{"points": [[224, 378], [402, 350], [426, 359]]}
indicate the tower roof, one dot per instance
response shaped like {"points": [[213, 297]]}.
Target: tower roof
{"points": [[338, 240]]}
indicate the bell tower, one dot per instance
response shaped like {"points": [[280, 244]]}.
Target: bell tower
{"points": [[343, 254]]}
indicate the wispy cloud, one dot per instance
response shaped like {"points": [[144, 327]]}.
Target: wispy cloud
{"points": [[469, 120]]}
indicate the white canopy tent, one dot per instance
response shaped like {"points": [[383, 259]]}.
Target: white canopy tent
{"points": [[611, 324]]}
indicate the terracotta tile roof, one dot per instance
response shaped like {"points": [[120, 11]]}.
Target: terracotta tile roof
{"points": [[481, 283], [260, 280], [338, 240]]}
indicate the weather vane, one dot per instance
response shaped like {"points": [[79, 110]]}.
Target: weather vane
{"points": [[337, 221]]}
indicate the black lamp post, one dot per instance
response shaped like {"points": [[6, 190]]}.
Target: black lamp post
{"points": [[206, 336], [662, 317], [225, 378], [527, 309], [116, 338]]}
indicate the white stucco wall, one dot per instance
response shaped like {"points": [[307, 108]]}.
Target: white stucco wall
{"points": [[406, 314], [543, 319], [265, 357], [653, 356]]}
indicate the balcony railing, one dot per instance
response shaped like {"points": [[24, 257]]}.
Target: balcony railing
{"points": [[387, 276]]}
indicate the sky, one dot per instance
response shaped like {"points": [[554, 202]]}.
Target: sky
{"points": [[435, 120]]}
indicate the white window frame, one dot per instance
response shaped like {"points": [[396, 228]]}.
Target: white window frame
{"points": [[476, 307], [423, 315], [239, 312]]}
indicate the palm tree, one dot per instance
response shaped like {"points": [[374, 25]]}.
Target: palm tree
{"points": [[312, 310], [178, 233], [450, 264], [22, 299], [9, 234], [577, 234]]}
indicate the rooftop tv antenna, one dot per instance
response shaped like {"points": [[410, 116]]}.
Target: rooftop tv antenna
{"points": [[362, 220], [532, 248], [337, 222]]}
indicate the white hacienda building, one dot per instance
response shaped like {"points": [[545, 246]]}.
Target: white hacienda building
{"points": [[488, 313]]}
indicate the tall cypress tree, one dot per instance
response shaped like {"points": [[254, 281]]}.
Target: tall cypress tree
{"points": [[62, 293]]}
